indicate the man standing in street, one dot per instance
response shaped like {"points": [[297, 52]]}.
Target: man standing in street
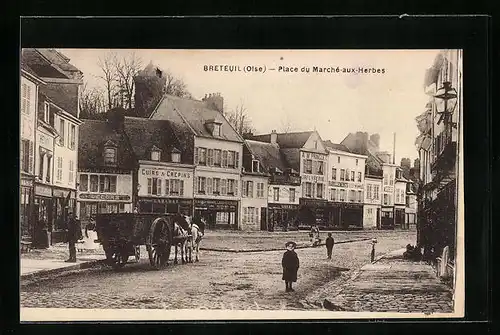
{"points": [[74, 234], [329, 245]]}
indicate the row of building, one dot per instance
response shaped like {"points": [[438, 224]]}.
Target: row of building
{"points": [[180, 154]]}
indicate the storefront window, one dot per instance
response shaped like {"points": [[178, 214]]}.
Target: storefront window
{"points": [[319, 192], [107, 184], [84, 182], [94, 185]]}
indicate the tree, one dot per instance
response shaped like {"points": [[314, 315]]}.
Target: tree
{"points": [[92, 102], [125, 69], [240, 119], [175, 86], [109, 76]]}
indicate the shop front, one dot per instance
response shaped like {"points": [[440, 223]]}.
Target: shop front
{"points": [[400, 217], [92, 204], [165, 205], [313, 211], [282, 216], [343, 215], [387, 218], [42, 216], [26, 219], [62, 201], [218, 213]]}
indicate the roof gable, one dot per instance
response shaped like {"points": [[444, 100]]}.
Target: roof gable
{"points": [[268, 155]]}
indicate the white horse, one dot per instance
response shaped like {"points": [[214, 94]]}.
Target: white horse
{"points": [[195, 239], [181, 239]]}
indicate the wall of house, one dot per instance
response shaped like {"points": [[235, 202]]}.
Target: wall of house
{"points": [[348, 163], [284, 194], [28, 116], [65, 153], [400, 193], [165, 172], [388, 186], [370, 212], [314, 177], [253, 204]]}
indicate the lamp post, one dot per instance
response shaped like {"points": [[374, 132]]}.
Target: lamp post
{"points": [[447, 96]]}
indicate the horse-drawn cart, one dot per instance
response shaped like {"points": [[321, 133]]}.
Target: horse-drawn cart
{"points": [[122, 234]]}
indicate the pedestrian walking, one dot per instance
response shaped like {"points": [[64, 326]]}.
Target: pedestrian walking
{"points": [[330, 242], [290, 263], [74, 234]]}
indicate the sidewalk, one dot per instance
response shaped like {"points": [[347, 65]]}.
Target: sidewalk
{"points": [[393, 284], [52, 260]]}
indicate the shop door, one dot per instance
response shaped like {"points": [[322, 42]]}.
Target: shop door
{"points": [[263, 218], [378, 218], [387, 221]]}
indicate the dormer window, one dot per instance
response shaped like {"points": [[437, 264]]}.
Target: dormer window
{"points": [[110, 153], [155, 154], [214, 127], [176, 155], [255, 166]]}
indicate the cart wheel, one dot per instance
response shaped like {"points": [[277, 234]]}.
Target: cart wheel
{"points": [[158, 243], [119, 259]]}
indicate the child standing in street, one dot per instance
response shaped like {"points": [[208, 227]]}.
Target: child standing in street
{"points": [[290, 263], [329, 245]]}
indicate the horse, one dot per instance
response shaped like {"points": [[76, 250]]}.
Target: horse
{"points": [[181, 237], [197, 230]]}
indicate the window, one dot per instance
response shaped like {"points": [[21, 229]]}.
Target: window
{"points": [[292, 195], [308, 166], [62, 124], [315, 144], [243, 188], [369, 191], [176, 156], [107, 184], [25, 98], [71, 171], [216, 131], [84, 182], [276, 194], [386, 199], [338, 159], [377, 192], [216, 185], [392, 180], [359, 177], [308, 190], [319, 192], [260, 190], [407, 201], [230, 159], [49, 168], [46, 112], [334, 174], [342, 174], [210, 186], [202, 156], [255, 166], [40, 167], [223, 187], [109, 155], [59, 169], [94, 184], [352, 195], [352, 175], [356, 162], [154, 186], [333, 194], [342, 195], [320, 167], [386, 179], [176, 187], [72, 137], [360, 196], [230, 186], [217, 157], [224, 158], [250, 189], [25, 155], [155, 154], [210, 158]]}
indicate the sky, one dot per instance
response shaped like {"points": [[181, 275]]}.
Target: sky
{"points": [[332, 103]]}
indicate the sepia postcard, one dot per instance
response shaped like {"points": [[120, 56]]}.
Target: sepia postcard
{"points": [[175, 184]]}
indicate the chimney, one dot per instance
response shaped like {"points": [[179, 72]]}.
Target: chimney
{"points": [[215, 101], [375, 138], [274, 137]]}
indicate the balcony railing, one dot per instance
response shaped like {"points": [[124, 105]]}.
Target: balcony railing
{"points": [[278, 179]]}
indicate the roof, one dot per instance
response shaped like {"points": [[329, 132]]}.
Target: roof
{"points": [[93, 134], [195, 113], [63, 95], [57, 58], [267, 154], [49, 63], [25, 67], [165, 135], [331, 145], [286, 140], [149, 70], [292, 157]]}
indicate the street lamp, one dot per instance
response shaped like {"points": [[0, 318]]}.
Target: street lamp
{"points": [[447, 96]]}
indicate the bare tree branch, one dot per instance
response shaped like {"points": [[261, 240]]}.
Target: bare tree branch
{"points": [[126, 69], [239, 119], [109, 76]]}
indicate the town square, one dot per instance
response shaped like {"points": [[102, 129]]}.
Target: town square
{"points": [[212, 180]]}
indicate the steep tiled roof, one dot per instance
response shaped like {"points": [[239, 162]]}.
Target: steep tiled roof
{"points": [[146, 133], [267, 154], [25, 67], [195, 113], [286, 140], [336, 146], [49, 63], [93, 134], [63, 95]]}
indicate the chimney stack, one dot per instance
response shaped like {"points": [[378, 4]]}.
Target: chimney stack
{"points": [[214, 101], [274, 137]]}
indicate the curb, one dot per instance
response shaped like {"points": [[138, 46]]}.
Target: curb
{"points": [[57, 271], [279, 249]]}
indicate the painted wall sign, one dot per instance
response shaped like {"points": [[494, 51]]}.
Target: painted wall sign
{"points": [[388, 189], [43, 190], [105, 170], [311, 155], [167, 200], [62, 193], [338, 184], [313, 178], [283, 206], [165, 173], [27, 182], [105, 197]]}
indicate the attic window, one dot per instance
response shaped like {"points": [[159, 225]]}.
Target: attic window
{"points": [[155, 154], [176, 155], [216, 129], [109, 153], [255, 166], [315, 144]]}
